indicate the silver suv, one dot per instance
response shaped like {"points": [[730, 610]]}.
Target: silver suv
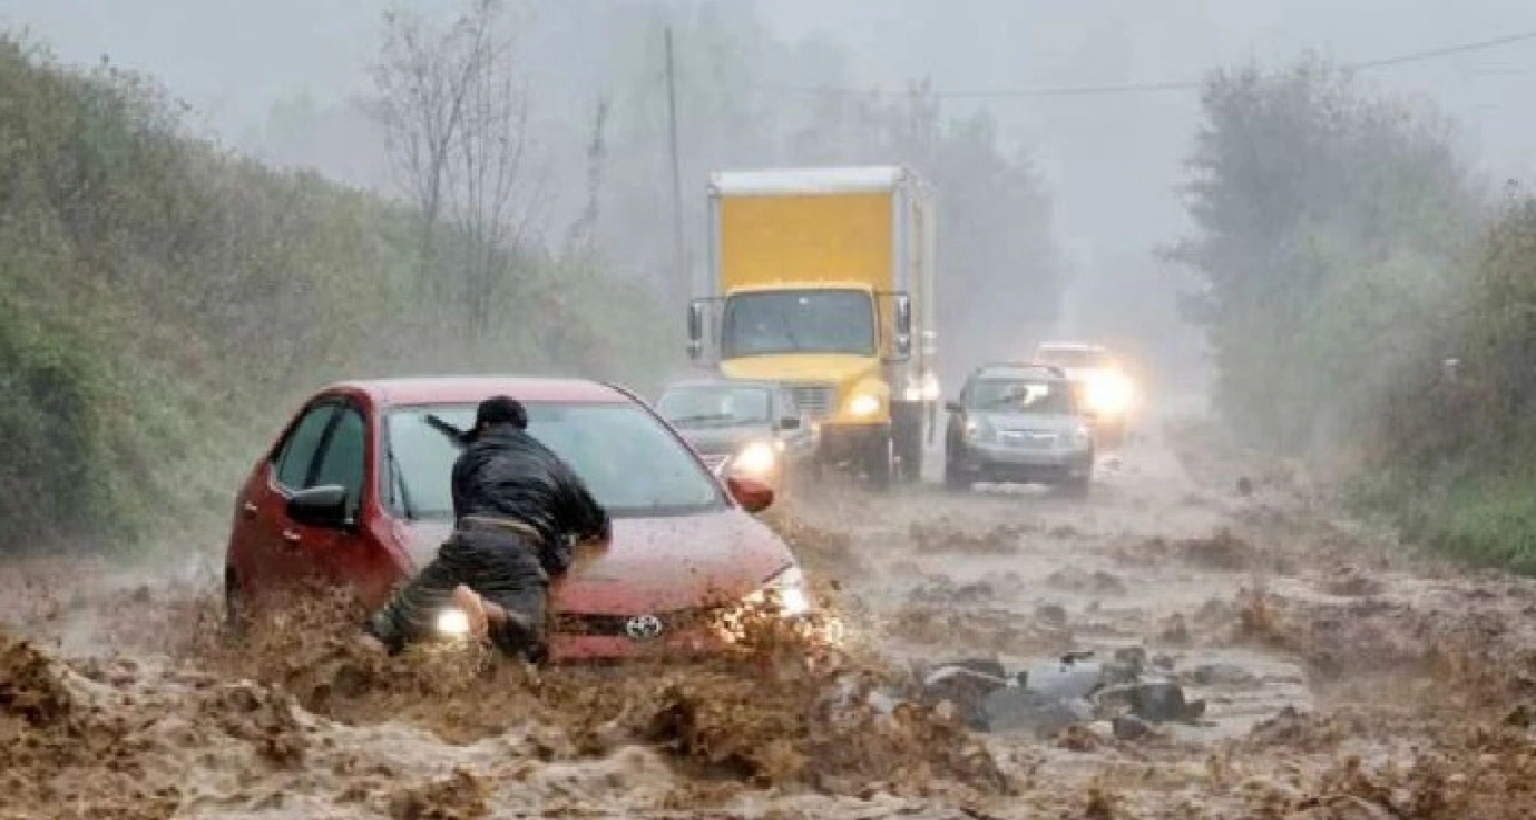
{"points": [[1019, 423]]}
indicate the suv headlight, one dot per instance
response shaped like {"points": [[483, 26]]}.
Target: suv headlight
{"points": [[1081, 437], [787, 590]]}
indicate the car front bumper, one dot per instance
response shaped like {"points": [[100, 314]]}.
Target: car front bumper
{"points": [[984, 461]]}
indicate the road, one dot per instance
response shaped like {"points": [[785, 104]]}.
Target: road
{"points": [[1344, 677]]}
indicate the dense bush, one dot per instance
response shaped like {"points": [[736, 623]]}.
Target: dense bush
{"points": [[163, 301]]}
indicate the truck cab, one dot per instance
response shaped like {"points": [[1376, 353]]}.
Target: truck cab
{"points": [[821, 280]]}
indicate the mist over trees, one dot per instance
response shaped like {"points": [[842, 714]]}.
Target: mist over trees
{"points": [[745, 99]]}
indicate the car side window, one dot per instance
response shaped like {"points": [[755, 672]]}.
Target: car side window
{"points": [[342, 461], [298, 452]]}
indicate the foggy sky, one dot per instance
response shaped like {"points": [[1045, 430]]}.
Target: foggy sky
{"points": [[1111, 161]]}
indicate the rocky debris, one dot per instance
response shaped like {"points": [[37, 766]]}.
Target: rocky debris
{"points": [[1098, 582], [1046, 697], [1222, 674]]}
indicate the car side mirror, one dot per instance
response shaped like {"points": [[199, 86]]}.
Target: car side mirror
{"points": [[323, 506], [952, 406], [789, 423], [754, 496]]}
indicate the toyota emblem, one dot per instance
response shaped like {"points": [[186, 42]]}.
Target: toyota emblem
{"points": [[643, 627]]}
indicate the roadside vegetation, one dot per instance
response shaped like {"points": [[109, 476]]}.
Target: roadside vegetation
{"points": [[164, 301], [1371, 303]]}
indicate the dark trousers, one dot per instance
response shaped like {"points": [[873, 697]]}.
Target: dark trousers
{"points": [[499, 564]]}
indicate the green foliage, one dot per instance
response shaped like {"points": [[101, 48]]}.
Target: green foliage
{"points": [[163, 303], [1329, 223]]}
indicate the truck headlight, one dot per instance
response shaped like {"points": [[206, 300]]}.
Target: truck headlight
{"points": [[787, 589], [864, 404], [757, 458]]}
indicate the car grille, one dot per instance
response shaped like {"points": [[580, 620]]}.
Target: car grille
{"points": [[814, 399], [613, 625], [1025, 440]]}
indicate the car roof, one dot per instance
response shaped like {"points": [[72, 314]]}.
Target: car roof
{"points": [[470, 389]]}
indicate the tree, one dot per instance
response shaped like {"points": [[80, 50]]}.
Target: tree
{"points": [[456, 125], [1315, 200]]}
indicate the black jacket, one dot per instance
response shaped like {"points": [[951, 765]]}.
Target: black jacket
{"points": [[506, 473]]}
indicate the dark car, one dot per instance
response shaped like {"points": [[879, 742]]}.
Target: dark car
{"points": [[1019, 423], [750, 429], [354, 492]]}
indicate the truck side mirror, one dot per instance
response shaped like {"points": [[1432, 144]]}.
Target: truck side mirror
{"points": [[695, 329], [903, 309]]}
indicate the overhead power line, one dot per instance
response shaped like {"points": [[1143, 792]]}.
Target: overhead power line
{"points": [[1177, 85]]}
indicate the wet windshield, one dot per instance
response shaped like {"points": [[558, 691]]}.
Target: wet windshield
{"points": [[1020, 396], [633, 465], [806, 321], [714, 405]]}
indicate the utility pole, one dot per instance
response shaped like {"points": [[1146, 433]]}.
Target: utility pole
{"points": [[679, 255]]}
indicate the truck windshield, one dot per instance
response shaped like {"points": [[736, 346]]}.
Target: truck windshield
{"points": [[798, 321]]}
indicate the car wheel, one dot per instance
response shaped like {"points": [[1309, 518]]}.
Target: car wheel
{"points": [[1078, 486], [236, 616], [954, 479]]}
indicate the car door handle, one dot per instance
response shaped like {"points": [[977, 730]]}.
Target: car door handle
{"points": [[248, 509], [291, 538]]}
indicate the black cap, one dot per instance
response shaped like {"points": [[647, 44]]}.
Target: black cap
{"points": [[499, 410]]}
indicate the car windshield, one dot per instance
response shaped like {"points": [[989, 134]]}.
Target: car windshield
{"points": [[631, 463], [1020, 396], [1072, 357], [714, 405], [798, 321]]}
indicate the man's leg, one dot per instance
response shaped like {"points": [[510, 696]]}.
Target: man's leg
{"points": [[504, 572], [408, 614]]}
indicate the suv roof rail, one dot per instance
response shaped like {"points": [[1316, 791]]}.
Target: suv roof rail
{"points": [[1052, 369]]}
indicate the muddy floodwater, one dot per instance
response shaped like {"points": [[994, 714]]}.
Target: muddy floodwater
{"points": [[1340, 676]]}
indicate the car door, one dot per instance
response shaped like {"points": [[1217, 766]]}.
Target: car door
{"points": [[270, 542], [346, 555]]}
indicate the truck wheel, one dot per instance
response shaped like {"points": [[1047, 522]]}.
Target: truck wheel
{"points": [[910, 448], [1078, 486], [878, 463]]}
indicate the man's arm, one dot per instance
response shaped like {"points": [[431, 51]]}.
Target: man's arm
{"points": [[580, 513]]}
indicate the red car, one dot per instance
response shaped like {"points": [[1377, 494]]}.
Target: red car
{"points": [[355, 491]]}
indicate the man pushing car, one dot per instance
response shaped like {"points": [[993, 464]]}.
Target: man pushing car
{"points": [[516, 506]]}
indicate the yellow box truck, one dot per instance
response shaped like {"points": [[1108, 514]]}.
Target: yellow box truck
{"points": [[822, 279]]}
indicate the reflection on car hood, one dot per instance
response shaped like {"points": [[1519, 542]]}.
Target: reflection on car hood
{"points": [[1058, 423], [724, 440], [656, 564]]}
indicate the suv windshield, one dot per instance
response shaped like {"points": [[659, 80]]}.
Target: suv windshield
{"points": [[714, 405], [798, 321], [632, 464], [1020, 396]]}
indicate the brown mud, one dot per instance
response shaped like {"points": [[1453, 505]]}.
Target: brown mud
{"points": [[1344, 677]]}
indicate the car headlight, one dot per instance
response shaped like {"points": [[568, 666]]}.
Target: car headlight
{"points": [[978, 430], [452, 623], [864, 404], [787, 589], [757, 458], [1082, 436]]}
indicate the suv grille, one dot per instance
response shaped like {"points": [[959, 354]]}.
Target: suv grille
{"points": [[815, 399]]}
